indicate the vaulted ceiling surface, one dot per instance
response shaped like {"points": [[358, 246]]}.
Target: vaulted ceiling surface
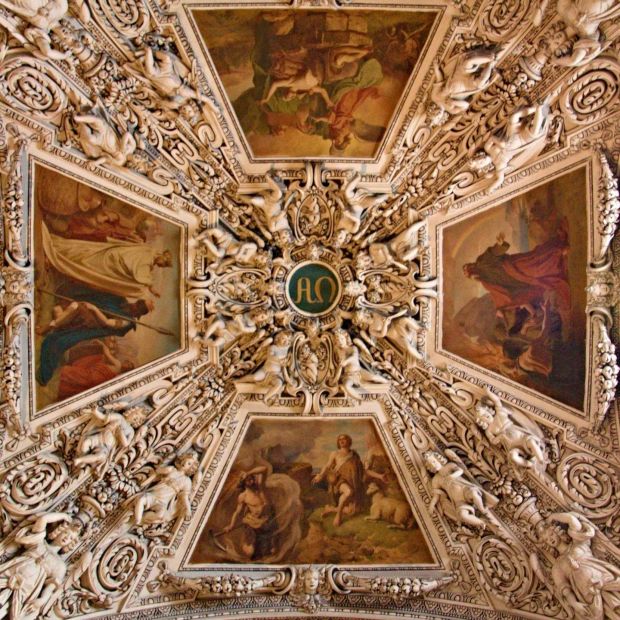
{"points": [[309, 309]]}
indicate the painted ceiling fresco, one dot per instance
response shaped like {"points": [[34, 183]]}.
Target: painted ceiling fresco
{"points": [[314, 83], [309, 309], [106, 287]]}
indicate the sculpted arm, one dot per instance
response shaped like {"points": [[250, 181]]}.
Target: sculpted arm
{"points": [[436, 494]]}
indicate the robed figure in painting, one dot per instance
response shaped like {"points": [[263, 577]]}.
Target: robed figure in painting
{"points": [[531, 295], [85, 324], [119, 267], [523, 279]]}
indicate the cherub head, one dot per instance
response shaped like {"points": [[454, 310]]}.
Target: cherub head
{"points": [[187, 463], [282, 339], [342, 337], [340, 238], [484, 412], [66, 535], [311, 580], [261, 316], [434, 461]]}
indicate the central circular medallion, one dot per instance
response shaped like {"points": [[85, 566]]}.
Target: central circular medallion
{"points": [[313, 288]]}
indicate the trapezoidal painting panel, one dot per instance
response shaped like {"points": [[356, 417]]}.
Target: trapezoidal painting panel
{"points": [[514, 280], [311, 491], [107, 297], [314, 83]]}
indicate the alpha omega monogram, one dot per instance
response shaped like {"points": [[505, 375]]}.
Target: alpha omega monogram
{"points": [[313, 288]]}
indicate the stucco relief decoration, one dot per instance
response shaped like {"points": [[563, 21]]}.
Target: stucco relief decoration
{"points": [[309, 309]]}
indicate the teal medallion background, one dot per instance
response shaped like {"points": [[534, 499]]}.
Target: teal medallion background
{"points": [[313, 288]]}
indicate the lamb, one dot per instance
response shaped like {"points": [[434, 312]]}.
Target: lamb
{"points": [[395, 511]]}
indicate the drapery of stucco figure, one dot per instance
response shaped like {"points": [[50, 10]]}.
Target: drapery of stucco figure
{"points": [[587, 587], [31, 581], [118, 267]]}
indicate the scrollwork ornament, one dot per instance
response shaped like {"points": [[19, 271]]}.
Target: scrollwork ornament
{"points": [[505, 570], [34, 485], [117, 561], [31, 85], [128, 19], [592, 91], [501, 17], [591, 483]]}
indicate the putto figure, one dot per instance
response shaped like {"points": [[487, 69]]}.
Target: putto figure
{"points": [[106, 433], [101, 142], [460, 78], [169, 498], [587, 587], [461, 500], [350, 373], [31, 581], [520, 438], [518, 142], [273, 375]]}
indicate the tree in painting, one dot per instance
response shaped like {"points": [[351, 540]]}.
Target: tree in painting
{"points": [[311, 492], [514, 282], [102, 283]]}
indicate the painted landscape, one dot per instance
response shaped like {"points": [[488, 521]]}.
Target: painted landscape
{"points": [[311, 491], [107, 296], [514, 279], [314, 83]]}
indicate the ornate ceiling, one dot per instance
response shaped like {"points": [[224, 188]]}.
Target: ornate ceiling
{"points": [[309, 308]]}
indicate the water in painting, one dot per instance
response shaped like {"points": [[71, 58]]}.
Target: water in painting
{"points": [[106, 287], [314, 83], [311, 491], [514, 279]]}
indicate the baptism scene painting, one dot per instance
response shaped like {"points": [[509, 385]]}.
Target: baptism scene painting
{"points": [[314, 83], [311, 491], [107, 296], [514, 279]]}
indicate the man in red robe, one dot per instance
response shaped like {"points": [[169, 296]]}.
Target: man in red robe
{"points": [[526, 279], [90, 370]]}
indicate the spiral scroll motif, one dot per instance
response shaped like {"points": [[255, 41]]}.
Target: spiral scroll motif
{"points": [[590, 482], [592, 92], [30, 85], [33, 485], [505, 569], [503, 16], [118, 562], [129, 19]]}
